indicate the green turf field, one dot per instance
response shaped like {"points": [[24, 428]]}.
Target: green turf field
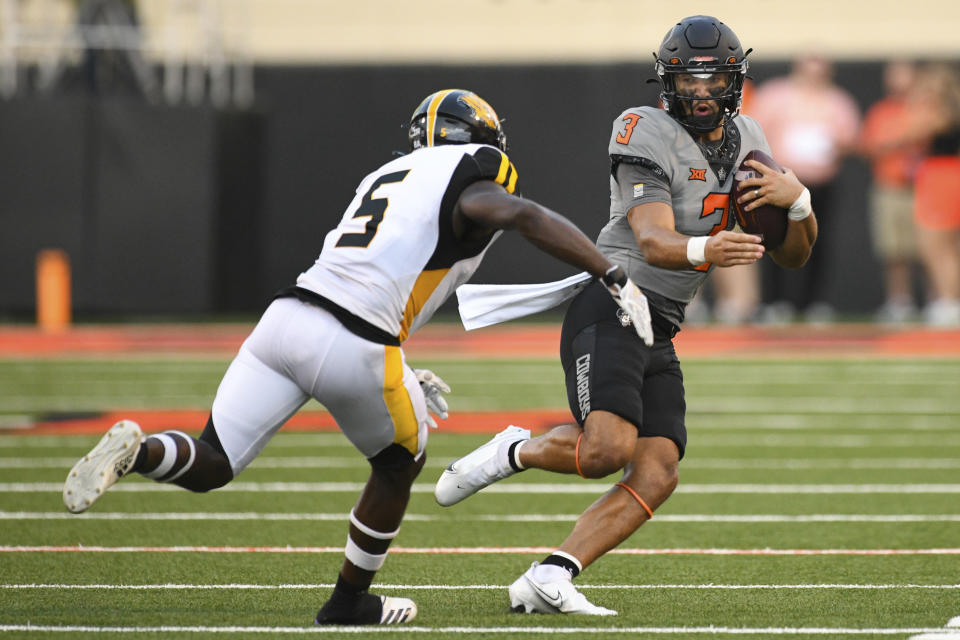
{"points": [[819, 498]]}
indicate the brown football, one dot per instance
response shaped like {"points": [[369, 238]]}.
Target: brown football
{"points": [[767, 221]]}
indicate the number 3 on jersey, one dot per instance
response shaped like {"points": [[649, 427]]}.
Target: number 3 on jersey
{"points": [[624, 136], [372, 208]]}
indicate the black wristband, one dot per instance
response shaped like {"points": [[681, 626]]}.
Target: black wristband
{"points": [[615, 276]]}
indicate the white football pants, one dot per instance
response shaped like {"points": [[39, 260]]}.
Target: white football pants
{"points": [[298, 351]]}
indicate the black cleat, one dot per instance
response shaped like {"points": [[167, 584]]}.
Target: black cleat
{"points": [[368, 609]]}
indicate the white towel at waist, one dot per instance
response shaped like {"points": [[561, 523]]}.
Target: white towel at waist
{"points": [[484, 304]]}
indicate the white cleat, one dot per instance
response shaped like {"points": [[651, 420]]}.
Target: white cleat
{"points": [[480, 468], [397, 610], [527, 595], [100, 469]]}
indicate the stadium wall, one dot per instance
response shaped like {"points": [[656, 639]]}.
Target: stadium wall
{"points": [[193, 210], [154, 205]]}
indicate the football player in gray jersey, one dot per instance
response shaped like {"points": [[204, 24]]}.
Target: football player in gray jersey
{"points": [[670, 223]]}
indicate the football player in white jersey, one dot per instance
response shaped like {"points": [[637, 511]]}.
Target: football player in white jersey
{"points": [[416, 228], [670, 223]]}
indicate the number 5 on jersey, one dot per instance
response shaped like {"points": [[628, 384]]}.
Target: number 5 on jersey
{"points": [[372, 208]]}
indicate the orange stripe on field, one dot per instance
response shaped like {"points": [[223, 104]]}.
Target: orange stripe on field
{"points": [[195, 420], [811, 341]]}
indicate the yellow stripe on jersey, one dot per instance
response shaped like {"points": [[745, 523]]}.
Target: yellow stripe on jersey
{"points": [[423, 288], [512, 183], [504, 168], [432, 114], [406, 429], [507, 174]]}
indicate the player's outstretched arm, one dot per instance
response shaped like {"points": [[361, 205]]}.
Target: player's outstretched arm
{"points": [[488, 205], [663, 246]]}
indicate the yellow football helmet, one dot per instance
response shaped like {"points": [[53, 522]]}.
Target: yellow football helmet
{"points": [[455, 116]]}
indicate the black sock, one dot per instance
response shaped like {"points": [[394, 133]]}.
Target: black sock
{"points": [[346, 591], [141, 457], [560, 561], [350, 604]]}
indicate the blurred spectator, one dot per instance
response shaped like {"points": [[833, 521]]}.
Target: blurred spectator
{"points": [[937, 191], [811, 124], [894, 149]]}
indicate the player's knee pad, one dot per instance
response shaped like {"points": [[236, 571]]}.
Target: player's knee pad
{"points": [[210, 436], [397, 462]]}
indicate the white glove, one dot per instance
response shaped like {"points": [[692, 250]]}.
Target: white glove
{"points": [[433, 389], [632, 301]]}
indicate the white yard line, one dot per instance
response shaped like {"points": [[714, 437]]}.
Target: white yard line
{"points": [[533, 488], [505, 517], [950, 632], [735, 464], [312, 462], [331, 439], [475, 587], [475, 550], [819, 441], [539, 631]]}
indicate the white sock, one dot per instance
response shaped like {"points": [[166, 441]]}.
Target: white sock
{"points": [[516, 455]]}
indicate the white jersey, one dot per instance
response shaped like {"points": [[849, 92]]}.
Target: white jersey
{"points": [[394, 258]]}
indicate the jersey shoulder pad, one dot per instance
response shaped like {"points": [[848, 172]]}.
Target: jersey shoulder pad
{"points": [[748, 125], [493, 164], [752, 137], [641, 131]]}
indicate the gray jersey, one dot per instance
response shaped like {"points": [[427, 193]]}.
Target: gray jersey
{"points": [[654, 159]]}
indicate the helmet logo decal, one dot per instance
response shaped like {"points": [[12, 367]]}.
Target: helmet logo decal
{"points": [[432, 113], [481, 109]]}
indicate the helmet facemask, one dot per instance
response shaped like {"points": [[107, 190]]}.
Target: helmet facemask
{"points": [[686, 91], [700, 59]]}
